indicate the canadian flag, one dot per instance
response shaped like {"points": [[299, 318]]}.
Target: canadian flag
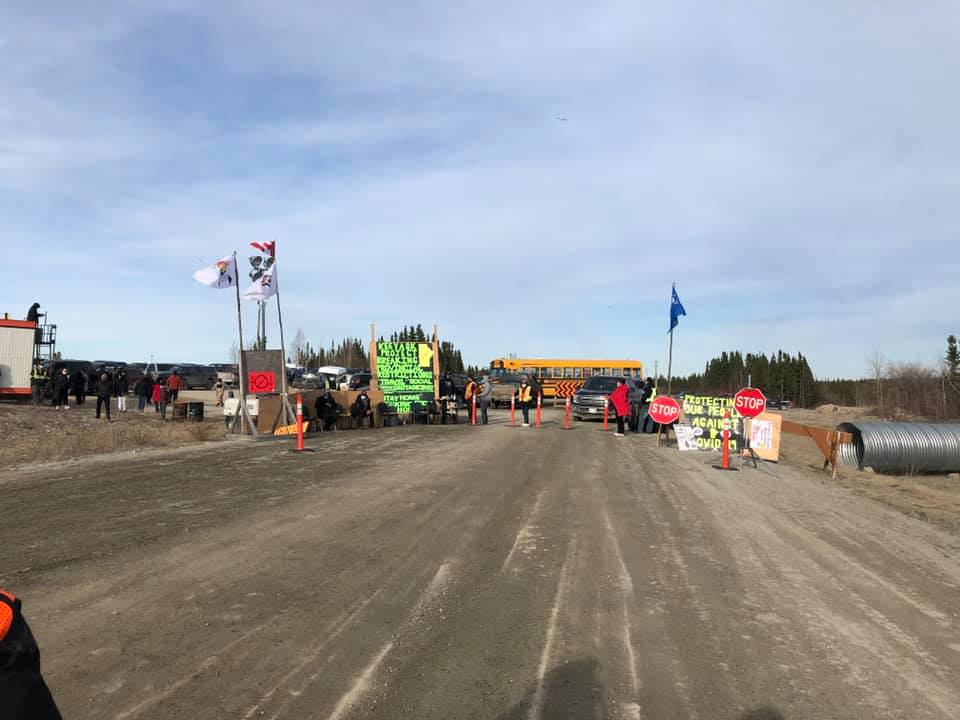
{"points": [[266, 247]]}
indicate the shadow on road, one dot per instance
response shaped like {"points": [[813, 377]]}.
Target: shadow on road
{"points": [[767, 712], [571, 691]]}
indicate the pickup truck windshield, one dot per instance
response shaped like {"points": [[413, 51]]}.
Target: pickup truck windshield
{"points": [[606, 384]]}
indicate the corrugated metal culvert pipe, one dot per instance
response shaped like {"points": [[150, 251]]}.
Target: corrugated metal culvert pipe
{"points": [[900, 448]]}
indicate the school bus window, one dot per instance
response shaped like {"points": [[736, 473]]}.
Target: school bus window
{"points": [[577, 373], [568, 373], [587, 372], [542, 372], [597, 371]]}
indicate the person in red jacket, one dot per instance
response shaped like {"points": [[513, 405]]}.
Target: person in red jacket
{"points": [[23, 693], [174, 385], [160, 398], [620, 400]]}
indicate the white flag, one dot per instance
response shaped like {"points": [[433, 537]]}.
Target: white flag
{"points": [[223, 274], [264, 287]]}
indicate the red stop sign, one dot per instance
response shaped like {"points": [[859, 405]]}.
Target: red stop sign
{"points": [[749, 402], [664, 410]]}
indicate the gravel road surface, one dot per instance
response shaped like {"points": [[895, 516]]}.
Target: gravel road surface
{"points": [[456, 572]]}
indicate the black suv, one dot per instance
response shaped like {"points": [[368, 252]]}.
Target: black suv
{"points": [[193, 376], [588, 400]]}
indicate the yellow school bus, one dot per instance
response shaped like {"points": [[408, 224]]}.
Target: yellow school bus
{"points": [[562, 378]]}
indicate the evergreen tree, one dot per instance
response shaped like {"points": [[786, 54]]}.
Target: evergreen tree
{"points": [[953, 359]]}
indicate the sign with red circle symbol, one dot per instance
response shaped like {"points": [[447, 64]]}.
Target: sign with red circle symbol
{"points": [[749, 402], [664, 410], [262, 382]]}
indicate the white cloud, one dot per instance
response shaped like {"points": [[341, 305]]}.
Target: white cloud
{"points": [[793, 168]]}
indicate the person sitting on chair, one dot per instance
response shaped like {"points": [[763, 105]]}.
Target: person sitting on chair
{"points": [[328, 410], [362, 408]]}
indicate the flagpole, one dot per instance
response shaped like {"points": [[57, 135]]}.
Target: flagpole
{"points": [[243, 393], [283, 347], [669, 361], [670, 364]]}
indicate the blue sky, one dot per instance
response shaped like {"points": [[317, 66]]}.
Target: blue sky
{"points": [[793, 167]]}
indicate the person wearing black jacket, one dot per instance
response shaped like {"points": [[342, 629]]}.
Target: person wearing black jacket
{"points": [[328, 410], [362, 409], [644, 420], [144, 390], [120, 388], [78, 383], [448, 393], [23, 693], [104, 391], [61, 389]]}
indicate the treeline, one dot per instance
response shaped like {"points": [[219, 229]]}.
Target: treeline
{"points": [[892, 390], [353, 352], [782, 375], [904, 390]]}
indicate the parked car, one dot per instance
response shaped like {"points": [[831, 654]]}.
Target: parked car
{"points": [[774, 403], [343, 381], [318, 380], [295, 375], [194, 376], [227, 373], [360, 381], [588, 400], [111, 366]]}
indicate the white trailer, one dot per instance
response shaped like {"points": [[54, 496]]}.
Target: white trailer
{"points": [[17, 339]]}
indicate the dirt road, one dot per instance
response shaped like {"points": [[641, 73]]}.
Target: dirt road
{"points": [[451, 572]]}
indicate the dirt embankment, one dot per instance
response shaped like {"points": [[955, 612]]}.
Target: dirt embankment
{"points": [[44, 434], [935, 498]]}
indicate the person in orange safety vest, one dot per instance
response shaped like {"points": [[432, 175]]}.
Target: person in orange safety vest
{"points": [[23, 693]]}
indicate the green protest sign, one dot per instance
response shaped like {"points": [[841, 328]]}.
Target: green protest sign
{"points": [[705, 415], [405, 373]]}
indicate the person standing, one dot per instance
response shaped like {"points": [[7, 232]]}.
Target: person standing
{"points": [[486, 393], [78, 381], [620, 401], [174, 385], [328, 410], [104, 389], [470, 393], [160, 398], [23, 693], [646, 397], [61, 389], [38, 381], [121, 386], [448, 394], [525, 398], [144, 390], [218, 393]]}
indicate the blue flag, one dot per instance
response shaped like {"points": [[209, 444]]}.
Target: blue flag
{"points": [[676, 309]]}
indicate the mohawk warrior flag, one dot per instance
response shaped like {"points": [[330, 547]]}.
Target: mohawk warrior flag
{"points": [[223, 274], [266, 247], [263, 287]]}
